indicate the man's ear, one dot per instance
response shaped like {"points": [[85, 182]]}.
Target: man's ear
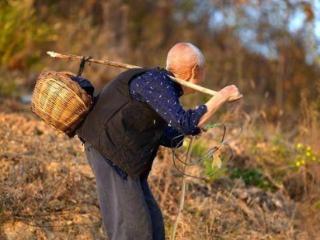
{"points": [[195, 71]]}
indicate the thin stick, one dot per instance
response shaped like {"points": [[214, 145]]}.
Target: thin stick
{"points": [[129, 66], [183, 192], [92, 60]]}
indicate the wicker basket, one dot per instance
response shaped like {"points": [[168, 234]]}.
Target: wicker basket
{"points": [[60, 101]]}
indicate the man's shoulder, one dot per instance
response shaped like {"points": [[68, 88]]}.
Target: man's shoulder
{"points": [[166, 81], [154, 75], [156, 79], [157, 71]]}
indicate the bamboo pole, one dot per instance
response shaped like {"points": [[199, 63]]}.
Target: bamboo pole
{"points": [[129, 66]]}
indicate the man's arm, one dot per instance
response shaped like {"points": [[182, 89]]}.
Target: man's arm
{"points": [[227, 94], [173, 138], [159, 91]]}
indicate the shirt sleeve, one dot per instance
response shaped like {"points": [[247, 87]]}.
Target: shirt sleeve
{"points": [[162, 94]]}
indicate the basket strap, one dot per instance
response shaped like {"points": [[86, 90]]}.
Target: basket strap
{"points": [[82, 64]]}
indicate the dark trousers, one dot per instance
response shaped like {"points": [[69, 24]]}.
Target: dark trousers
{"points": [[128, 208]]}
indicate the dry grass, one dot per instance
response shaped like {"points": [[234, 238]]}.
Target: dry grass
{"points": [[48, 192]]}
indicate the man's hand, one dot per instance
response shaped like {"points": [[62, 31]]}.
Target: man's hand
{"points": [[231, 93], [227, 94]]}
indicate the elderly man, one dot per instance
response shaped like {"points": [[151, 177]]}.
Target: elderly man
{"points": [[133, 115]]}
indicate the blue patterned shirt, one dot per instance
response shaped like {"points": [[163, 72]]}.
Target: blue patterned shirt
{"points": [[157, 89]]}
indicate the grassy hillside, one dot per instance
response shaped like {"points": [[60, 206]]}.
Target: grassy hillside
{"points": [[47, 189]]}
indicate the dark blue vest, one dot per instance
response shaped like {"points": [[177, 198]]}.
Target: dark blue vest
{"points": [[122, 129]]}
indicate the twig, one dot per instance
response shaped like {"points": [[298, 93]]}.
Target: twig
{"points": [[129, 66], [183, 192]]}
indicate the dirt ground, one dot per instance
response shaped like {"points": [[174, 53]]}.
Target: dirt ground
{"points": [[47, 191]]}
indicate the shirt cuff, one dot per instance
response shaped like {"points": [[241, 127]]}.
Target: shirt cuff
{"points": [[198, 113]]}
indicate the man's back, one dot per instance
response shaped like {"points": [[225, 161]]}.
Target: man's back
{"points": [[122, 129]]}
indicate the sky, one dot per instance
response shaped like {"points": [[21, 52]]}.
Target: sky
{"points": [[297, 24], [317, 15]]}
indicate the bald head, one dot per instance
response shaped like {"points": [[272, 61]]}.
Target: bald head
{"points": [[186, 62]]}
